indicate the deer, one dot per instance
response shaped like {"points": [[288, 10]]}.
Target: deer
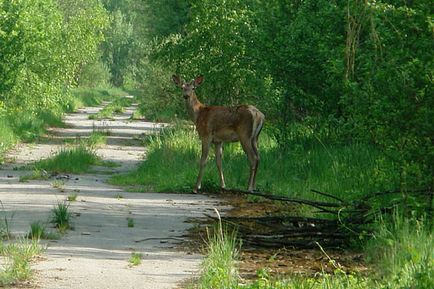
{"points": [[220, 124]]}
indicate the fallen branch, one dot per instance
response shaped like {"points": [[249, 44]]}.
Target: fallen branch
{"points": [[329, 195]]}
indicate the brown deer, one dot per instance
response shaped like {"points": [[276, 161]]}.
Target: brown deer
{"points": [[219, 124]]}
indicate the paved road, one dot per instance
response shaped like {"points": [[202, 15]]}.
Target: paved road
{"points": [[95, 254]]}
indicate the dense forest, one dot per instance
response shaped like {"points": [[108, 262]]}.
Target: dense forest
{"points": [[332, 74]]}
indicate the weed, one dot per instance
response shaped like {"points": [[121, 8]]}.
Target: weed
{"points": [[37, 231], [402, 250], [77, 159], [61, 217], [17, 260], [58, 184], [130, 222], [72, 197], [117, 106], [135, 259], [37, 174], [219, 269], [97, 138]]}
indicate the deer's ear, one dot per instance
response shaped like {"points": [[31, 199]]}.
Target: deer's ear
{"points": [[177, 80], [198, 80]]}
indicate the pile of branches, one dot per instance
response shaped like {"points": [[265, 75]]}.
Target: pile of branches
{"points": [[338, 221]]}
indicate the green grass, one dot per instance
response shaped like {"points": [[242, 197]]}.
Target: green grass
{"points": [[38, 231], [7, 137], [72, 197], [130, 222], [401, 254], [25, 126], [219, 268], [18, 256], [347, 171], [115, 107], [76, 159], [61, 217], [82, 97], [135, 259], [37, 174], [97, 138]]}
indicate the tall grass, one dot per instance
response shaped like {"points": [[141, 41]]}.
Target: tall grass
{"points": [[402, 252], [82, 97], [7, 136], [17, 257], [347, 171], [115, 107], [219, 269], [76, 159], [21, 125]]}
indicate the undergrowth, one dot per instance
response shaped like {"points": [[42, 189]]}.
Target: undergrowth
{"points": [[20, 125], [400, 254], [343, 170], [77, 159], [17, 257], [115, 107]]}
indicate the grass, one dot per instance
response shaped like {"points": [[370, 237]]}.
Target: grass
{"points": [[77, 159], [82, 97], [135, 259], [61, 217], [58, 184], [343, 170], [20, 125], [130, 222], [115, 107], [400, 251], [38, 231], [72, 197], [37, 174], [219, 269], [17, 257], [97, 139]]}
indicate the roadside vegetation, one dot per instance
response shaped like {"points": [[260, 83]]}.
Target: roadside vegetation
{"points": [[17, 258], [117, 106]]}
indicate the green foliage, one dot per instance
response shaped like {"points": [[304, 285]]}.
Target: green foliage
{"points": [[44, 46], [94, 74], [402, 251], [346, 171], [219, 269], [115, 107], [37, 231], [61, 217], [135, 259], [18, 256], [77, 159]]}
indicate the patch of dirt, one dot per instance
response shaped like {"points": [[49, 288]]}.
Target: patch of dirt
{"points": [[277, 262]]}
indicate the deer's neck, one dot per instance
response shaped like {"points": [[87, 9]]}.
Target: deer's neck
{"points": [[193, 107]]}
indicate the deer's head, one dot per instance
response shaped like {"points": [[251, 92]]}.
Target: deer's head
{"points": [[188, 88]]}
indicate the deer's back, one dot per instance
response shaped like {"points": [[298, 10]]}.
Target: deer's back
{"points": [[227, 124]]}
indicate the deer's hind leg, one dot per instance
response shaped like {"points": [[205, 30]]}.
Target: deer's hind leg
{"points": [[205, 150], [218, 159], [253, 158]]}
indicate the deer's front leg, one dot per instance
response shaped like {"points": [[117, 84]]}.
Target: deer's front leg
{"points": [[205, 149], [218, 159]]}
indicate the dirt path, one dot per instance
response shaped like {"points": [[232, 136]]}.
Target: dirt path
{"points": [[95, 254]]}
